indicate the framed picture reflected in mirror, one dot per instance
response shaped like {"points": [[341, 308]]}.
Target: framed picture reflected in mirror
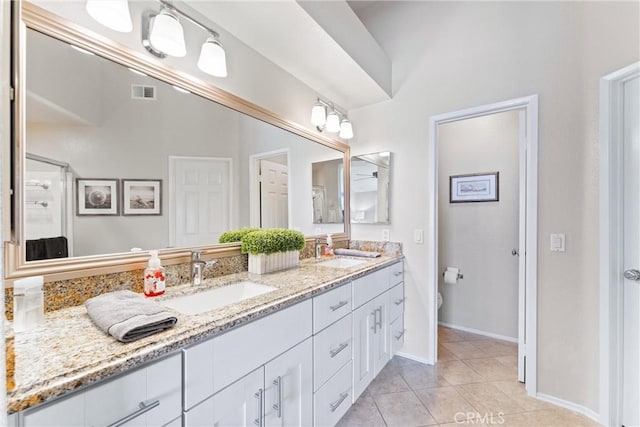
{"points": [[141, 197], [97, 196]]}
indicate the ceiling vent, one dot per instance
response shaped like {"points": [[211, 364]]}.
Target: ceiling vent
{"points": [[143, 92]]}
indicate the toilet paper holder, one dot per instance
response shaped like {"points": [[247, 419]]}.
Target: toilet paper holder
{"points": [[460, 275]]}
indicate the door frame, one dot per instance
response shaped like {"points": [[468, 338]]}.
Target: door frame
{"points": [[528, 298], [172, 191], [254, 187], [611, 242]]}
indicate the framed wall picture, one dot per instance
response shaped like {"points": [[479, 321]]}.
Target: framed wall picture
{"points": [[477, 187], [97, 196], [141, 197]]}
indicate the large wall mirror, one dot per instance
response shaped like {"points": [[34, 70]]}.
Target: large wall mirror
{"points": [[114, 154]]}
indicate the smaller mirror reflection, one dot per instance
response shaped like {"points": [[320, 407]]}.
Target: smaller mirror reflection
{"points": [[327, 191], [370, 188]]}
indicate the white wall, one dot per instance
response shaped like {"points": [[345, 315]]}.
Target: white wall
{"points": [[452, 55], [478, 237]]}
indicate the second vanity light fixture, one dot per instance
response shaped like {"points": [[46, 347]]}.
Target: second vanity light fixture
{"points": [[324, 116], [162, 32]]}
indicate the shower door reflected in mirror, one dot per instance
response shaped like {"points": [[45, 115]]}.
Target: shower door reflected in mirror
{"points": [[328, 191], [370, 188]]}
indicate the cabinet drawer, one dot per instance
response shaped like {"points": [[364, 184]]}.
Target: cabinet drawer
{"points": [[61, 413], [158, 386], [396, 334], [396, 273], [332, 348], [370, 286], [333, 399], [396, 302], [239, 352], [331, 306]]}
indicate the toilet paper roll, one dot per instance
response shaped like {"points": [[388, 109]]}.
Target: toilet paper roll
{"points": [[451, 275]]}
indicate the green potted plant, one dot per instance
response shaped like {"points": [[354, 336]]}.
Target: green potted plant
{"points": [[272, 249]]}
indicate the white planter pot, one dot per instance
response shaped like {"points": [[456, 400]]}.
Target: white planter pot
{"points": [[262, 263]]}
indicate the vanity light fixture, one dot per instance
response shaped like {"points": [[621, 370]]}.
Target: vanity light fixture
{"points": [[166, 34], [112, 14], [324, 116], [162, 35], [213, 59]]}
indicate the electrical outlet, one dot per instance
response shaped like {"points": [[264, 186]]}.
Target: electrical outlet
{"points": [[418, 236], [385, 234]]}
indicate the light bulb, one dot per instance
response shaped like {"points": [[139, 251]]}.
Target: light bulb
{"points": [[318, 115], [167, 35], [333, 122], [346, 130], [213, 59], [112, 14]]}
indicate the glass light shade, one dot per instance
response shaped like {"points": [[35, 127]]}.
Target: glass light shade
{"points": [[167, 35], [346, 130], [213, 59], [112, 14], [333, 122], [318, 115]]}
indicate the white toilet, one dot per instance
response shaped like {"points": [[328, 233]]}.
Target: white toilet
{"points": [[439, 300]]}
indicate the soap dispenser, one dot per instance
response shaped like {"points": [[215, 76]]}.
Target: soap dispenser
{"points": [[329, 249], [154, 276]]}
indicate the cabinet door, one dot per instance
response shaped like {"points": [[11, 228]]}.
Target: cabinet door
{"points": [[363, 334], [240, 404], [380, 340], [396, 335], [289, 387]]}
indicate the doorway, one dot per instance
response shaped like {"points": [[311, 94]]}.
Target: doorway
{"points": [[620, 247], [527, 227], [269, 177]]}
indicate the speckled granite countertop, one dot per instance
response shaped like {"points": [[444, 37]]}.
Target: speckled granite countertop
{"points": [[69, 352]]}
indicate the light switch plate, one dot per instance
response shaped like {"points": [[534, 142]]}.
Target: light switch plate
{"points": [[385, 234], [418, 236], [557, 242]]}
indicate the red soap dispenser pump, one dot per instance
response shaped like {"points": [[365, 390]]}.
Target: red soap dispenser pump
{"points": [[154, 276]]}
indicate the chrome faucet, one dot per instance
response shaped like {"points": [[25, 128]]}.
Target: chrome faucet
{"points": [[318, 248], [197, 267]]}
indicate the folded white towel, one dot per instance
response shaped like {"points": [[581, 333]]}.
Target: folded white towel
{"points": [[356, 252], [128, 316]]}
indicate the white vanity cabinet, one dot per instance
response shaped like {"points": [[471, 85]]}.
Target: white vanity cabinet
{"points": [[266, 365], [375, 311], [149, 396]]}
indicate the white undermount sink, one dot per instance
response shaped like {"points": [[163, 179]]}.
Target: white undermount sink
{"points": [[341, 262], [200, 302]]}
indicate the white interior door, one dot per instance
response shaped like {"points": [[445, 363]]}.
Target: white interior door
{"points": [[274, 194], [631, 258], [200, 200]]}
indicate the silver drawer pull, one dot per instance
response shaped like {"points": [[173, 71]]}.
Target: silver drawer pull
{"points": [[397, 273], [144, 407], [400, 335], [258, 395], [335, 405], [333, 353], [278, 405], [338, 305], [399, 301]]}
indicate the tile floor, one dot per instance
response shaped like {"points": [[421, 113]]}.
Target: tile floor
{"points": [[474, 383]]}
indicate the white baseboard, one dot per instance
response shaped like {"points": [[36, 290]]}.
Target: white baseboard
{"points": [[414, 358], [479, 332], [574, 407]]}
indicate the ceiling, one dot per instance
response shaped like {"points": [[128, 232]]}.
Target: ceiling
{"points": [[321, 43]]}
